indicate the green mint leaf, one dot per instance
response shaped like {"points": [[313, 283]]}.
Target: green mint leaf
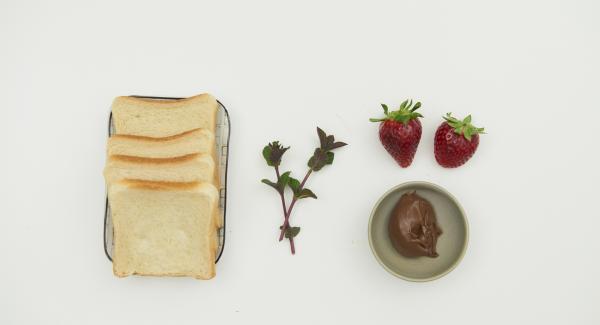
{"points": [[338, 145], [273, 153], [322, 155], [322, 137], [292, 232], [294, 184], [329, 142], [318, 160], [267, 155], [283, 181], [329, 159], [304, 193], [272, 184]]}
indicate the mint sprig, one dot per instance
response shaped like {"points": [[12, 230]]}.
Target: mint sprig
{"points": [[322, 156]]}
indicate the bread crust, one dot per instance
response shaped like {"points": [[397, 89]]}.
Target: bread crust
{"points": [[159, 185], [165, 102], [155, 161], [153, 139]]}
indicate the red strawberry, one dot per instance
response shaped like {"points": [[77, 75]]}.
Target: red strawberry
{"points": [[455, 141], [400, 132]]}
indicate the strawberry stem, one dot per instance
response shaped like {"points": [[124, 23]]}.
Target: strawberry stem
{"points": [[464, 126], [405, 112]]}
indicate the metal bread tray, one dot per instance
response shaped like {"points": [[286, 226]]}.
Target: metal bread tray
{"points": [[222, 133]]}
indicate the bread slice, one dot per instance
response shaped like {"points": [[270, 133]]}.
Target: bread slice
{"points": [[188, 168], [190, 142], [164, 229], [163, 118]]}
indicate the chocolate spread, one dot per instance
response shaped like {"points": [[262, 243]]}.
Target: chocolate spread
{"points": [[413, 227]]}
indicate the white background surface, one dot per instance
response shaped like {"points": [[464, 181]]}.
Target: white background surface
{"points": [[527, 70]]}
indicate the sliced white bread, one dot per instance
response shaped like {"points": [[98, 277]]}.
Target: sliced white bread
{"points": [[188, 168], [164, 229], [163, 118], [190, 142]]}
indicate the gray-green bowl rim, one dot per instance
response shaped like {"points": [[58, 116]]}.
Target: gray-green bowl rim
{"points": [[460, 208]]}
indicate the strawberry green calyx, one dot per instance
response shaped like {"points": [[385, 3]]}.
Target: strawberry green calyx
{"points": [[463, 127], [404, 114]]}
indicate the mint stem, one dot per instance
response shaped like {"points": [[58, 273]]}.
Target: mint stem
{"points": [[292, 246], [286, 222], [281, 195], [283, 205]]}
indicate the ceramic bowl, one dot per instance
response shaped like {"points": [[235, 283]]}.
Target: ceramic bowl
{"points": [[451, 245]]}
